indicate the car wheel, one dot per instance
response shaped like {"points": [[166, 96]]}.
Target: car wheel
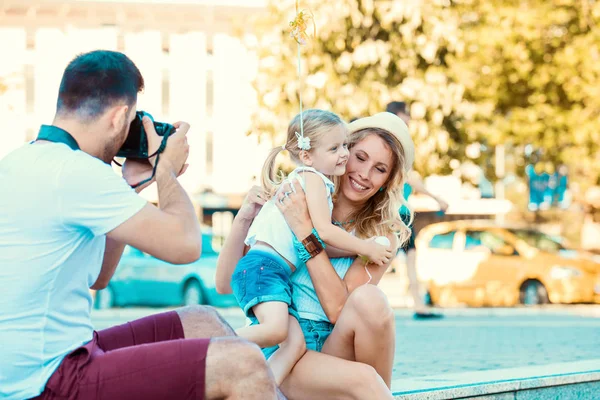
{"points": [[192, 294], [533, 293], [105, 298]]}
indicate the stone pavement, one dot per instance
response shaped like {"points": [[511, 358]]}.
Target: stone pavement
{"points": [[466, 339], [469, 340], [448, 358], [477, 340]]}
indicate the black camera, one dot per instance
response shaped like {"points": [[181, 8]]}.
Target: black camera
{"points": [[136, 144]]}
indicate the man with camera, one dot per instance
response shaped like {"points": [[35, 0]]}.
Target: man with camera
{"points": [[66, 217]]}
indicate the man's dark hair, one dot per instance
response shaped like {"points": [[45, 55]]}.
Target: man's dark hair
{"points": [[397, 107], [94, 81]]}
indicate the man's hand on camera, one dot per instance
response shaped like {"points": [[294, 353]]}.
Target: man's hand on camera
{"points": [[177, 150], [135, 171]]}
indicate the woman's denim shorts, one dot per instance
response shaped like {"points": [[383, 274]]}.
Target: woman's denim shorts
{"points": [[315, 334], [260, 277]]}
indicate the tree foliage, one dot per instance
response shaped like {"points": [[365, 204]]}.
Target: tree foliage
{"points": [[516, 72], [532, 70]]}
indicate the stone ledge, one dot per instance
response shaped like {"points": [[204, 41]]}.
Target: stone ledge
{"points": [[576, 380]]}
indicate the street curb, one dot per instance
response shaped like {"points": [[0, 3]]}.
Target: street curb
{"points": [[572, 380]]}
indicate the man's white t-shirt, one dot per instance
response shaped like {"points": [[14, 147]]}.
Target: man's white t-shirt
{"points": [[56, 206]]}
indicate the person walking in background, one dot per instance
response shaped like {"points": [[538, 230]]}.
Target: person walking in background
{"points": [[414, 184]]}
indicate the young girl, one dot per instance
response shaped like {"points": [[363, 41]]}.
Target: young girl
{"points": [[261, 280]]}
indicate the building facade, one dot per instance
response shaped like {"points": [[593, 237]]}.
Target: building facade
{"points": [[195, 66]]}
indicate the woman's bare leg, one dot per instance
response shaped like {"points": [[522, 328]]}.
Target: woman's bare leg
{"points": [[321, 376], [365, 331]]}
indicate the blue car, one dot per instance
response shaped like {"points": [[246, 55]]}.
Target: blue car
{"points": [[143, 280]]}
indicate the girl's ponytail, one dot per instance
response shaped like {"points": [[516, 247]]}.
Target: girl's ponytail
{"points": [[269, 179]]}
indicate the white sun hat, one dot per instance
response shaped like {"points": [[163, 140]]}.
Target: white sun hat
{"points": [[393, 124]]}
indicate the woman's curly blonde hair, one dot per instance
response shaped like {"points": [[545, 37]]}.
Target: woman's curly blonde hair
{"points": [[380, 215]]}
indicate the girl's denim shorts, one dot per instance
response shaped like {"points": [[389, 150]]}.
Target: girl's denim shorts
{"points": [[315, 334], [261, 277]]}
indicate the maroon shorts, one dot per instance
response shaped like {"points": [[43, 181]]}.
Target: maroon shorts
{"points": [[144, 359]]}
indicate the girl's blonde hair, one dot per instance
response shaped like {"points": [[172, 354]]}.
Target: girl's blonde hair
{"points": [[380, 215], [315, 124]]}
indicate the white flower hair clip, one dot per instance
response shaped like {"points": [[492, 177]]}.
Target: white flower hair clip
{"points": [[303, 142]]}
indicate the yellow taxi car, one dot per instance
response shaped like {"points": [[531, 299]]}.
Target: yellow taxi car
{"points": [[479, 263]]}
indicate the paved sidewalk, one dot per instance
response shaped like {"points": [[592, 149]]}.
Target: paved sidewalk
{"points": [[466, 339], [479, 340], [489, 338]]}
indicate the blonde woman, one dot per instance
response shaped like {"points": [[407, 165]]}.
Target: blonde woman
{"points": [[348, 325], [317, 143]]}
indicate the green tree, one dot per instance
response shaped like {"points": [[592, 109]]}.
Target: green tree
{"points": [[366, 54], [531, 68], [503, 72]]}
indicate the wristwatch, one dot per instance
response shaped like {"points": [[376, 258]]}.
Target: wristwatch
{"points": [[312, 245]]}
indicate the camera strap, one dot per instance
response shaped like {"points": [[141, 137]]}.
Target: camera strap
{"points": [[55, 134], [157, 153]]}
